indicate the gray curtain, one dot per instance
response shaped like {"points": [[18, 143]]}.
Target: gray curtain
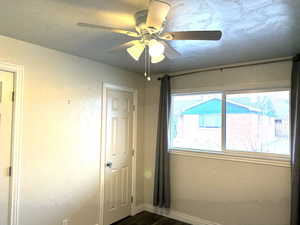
{"points": [[295, 141], [161, 195]]}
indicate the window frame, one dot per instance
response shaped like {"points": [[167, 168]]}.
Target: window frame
{"points": [[224, 153]]}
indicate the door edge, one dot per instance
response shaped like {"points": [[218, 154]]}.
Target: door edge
{"points": [[16, 138]]}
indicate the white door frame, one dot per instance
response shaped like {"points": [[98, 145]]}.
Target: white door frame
{"points": [[16, 147], [105, 87]]}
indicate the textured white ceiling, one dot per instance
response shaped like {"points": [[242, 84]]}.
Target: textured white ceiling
{"points": [[252, 29]]}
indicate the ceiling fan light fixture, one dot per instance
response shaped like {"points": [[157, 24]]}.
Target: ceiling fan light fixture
{"points": [[157, 59], [136, 51], [156, 48]]}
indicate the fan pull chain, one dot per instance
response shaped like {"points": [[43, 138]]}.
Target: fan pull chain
{"points": [[145, 74], [147, 64]]}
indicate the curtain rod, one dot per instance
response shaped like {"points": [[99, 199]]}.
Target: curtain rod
{"points": [[231, 67]]}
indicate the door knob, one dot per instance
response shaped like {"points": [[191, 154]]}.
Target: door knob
{"points": [[109, 164]]}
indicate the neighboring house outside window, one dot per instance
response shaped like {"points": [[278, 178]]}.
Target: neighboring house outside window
{"points": [[209, 121]]}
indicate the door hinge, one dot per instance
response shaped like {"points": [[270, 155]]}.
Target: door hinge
{"points": [[131, 199], [13, 96], [133, 107], [133, 152], [10, 171]]}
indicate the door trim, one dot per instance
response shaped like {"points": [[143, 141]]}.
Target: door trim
{"points": [[16, 148], [105, 87]]}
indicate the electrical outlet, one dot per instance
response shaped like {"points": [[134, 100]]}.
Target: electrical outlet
{"points": [[65, 222]]}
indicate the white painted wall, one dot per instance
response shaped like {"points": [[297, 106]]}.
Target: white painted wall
{"points": [[60, 158], [231, 193], [61, 153]]}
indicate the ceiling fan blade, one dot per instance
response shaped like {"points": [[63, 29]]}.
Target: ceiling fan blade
{"points": [[124, 46], [193, 35], [170, 52], [111, 29], [157, 14]]}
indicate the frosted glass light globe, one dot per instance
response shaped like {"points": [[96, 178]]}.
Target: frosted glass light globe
{"points": [[157, 59], [156, 48]]}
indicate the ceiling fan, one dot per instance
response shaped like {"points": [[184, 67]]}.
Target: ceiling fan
{"points": [[151, 38]]}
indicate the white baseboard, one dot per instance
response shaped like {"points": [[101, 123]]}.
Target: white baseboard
{"points": [[174, 215], [137, 209]]}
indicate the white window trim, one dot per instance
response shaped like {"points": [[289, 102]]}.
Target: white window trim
{"points": [[281, 162], [233, 155]]}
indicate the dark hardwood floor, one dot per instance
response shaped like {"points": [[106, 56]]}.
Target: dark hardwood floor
{"points": [[147, 218]]}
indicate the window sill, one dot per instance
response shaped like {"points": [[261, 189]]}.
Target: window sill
{"points": [[254, 159]]}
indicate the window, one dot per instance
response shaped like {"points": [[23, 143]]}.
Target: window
{"points": [[196, 121], [258, 122], [253, 122]]}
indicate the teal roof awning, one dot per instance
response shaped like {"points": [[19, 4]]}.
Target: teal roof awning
{"points": [[214, 106]]}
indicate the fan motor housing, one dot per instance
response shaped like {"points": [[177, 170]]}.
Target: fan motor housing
{"points": [[141, 17]]}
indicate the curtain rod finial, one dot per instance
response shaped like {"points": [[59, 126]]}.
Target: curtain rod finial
{"points": [[160, 78]]}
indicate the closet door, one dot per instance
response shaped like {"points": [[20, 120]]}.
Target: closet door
{"points": [[118, 171]]}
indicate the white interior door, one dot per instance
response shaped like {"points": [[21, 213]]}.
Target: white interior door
{"points": [[6, 107], [118, 171]]}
